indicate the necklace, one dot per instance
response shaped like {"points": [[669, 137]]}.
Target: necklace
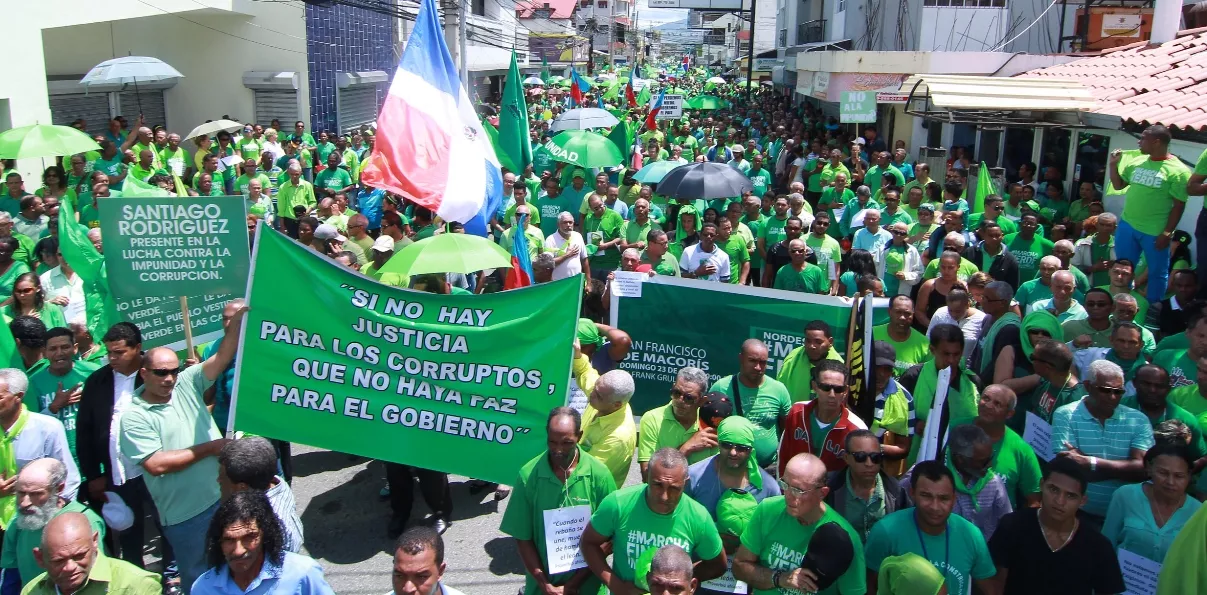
{"points": [[1159, 515], [1048, 539]]}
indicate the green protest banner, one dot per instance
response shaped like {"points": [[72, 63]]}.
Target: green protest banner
{"points": [[175, 246], [677, 323], [461, 384], [162, 323]]}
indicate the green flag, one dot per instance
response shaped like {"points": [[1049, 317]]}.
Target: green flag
{"points": [[622, 138], [984, 187], [545, 70], [513, 121], [135, 188], [504, 159], [87, 262], [644, 97], [405, 376]]}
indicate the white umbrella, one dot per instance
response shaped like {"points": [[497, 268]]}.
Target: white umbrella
{"points": [[534, 80], [214, 127], [716, 79], [583, 119], [130, 70]]}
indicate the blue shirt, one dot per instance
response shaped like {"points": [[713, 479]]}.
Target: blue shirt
{"points": [[1126, 429], [297, 574], [704, 486]]}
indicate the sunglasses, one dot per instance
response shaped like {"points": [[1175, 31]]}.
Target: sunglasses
{"points": [[686, 398], [862, 457], [899, 233], [1112, 391], [737, 447], [823, 387], [165, 372]]}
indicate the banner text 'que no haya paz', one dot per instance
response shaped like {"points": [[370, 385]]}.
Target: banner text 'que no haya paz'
{"points": [[461, 384]]}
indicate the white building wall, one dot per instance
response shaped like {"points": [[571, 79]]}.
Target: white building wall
{"points": [[962, 29]]}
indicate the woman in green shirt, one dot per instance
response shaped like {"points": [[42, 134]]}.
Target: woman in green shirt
{"points": [[10, 269], [54, 185], [29, 299]]}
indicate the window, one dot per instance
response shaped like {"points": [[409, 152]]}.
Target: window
{"points": [[601, 4], [842, 5], [963, 3], [783, 39], [542, 13], [478, 7]]}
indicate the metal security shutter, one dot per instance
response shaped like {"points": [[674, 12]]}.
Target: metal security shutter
{"points": [[153, 110], [93, 108], [276, 103], [356, 105]]}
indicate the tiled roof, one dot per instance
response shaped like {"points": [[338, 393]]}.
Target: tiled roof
{"points": [[1147, 84], [562, 9]]}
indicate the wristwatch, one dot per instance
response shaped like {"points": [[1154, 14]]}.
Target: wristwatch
{"points": [[1093, 463], [1167, 233]]}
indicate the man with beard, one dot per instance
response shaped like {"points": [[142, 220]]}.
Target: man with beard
{"points": [[38, 490], [563, 479]]}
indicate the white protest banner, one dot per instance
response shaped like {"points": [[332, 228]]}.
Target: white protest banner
{"points": [[563, 530], [672, 107], [1038, 435], [1139, 573], [626, 284]]}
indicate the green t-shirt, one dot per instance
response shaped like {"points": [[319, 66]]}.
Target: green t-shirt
{"points": [[764, 407], [910, 352], [1015, 461], [242, 183], [755, 226], [633, 528], [175, 162], [974, 221], [604, 228], [332, 179], [324, 151], [810, 279], [667, 265], [42, 387], [19, 544], [1028, 254], [182, 422], [542, 160], [772, 232], [735, 247], [1181, 367], [550, 208], [961, 553], [827, 250], [538, 490], [781, 541], [112, 168], [1152, 188], [761, 180], [814, 183]]}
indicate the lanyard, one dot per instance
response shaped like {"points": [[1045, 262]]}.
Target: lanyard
{"points": [[946, 545]]}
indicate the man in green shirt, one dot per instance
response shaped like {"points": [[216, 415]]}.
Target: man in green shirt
{"points": [[772, 232], [796, 370], [780, 531], [294, 193], [170, 433], [735, 247], [334, 179], [754, 220], [645, 516], [173, 157], [833, 168], [762, 400], [601, 228], [759, 177], [1028, 247], [69, 536], [39, 499], [657, 253], [207, 186], [634, 233], [56, 388], [912, 347], [1156, 197], [874, 177], [110, 162], [799, 275], [1013, 459], [826, 248], [553, 202], [249, 174], [1152, 399], [676, 424], [144, 166], [564, 478], [1094, 254]]}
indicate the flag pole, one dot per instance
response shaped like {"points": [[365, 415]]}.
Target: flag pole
{"points": [[188, 327]]}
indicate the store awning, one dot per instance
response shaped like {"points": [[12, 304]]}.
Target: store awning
{"points": [[994, 100]]}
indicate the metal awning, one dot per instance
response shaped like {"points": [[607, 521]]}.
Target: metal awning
{"points": [[995, 100]]}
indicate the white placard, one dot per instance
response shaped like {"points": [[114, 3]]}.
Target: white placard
{"points": [[563, 530], [230, 161], [577, 399], [1139, 573], [1038, 435], [177, 166], [626, 284], [672, 107], [726, 583]]}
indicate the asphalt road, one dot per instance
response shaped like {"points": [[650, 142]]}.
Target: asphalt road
{"points": [[345, 528]]}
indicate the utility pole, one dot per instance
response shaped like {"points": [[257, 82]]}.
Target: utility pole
{"points": [[611, 32], [754, 5], [592, 27], [462, 33]]}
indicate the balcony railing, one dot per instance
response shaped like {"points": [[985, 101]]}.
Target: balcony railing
{"points": [[811, 32]]}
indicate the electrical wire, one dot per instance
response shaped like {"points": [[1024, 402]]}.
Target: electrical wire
{"points": [[202, 25], [269, 28], [1020, 33]]}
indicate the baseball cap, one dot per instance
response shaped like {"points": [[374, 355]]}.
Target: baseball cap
{"points": [[883, 354], [383, 243], [116, 513], [861, 141], [926, 207], [829, 555], [715, 408], [1030, 204], [327, 231], [578, 173]]}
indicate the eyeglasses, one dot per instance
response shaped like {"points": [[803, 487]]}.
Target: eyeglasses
{"points": [[795, 492], [823, 387], [165, 372], [737, 447], [685, 397], [898, 232], [862, 457], [1110, 390]]}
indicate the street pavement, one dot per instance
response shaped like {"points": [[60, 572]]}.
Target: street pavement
{"points": [[345, 528]]}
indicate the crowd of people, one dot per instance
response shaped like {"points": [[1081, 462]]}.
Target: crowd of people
{"points": [[1040, 375]]}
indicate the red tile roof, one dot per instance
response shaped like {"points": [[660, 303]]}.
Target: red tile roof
{"points": [[562, 9], [1147, 84]]}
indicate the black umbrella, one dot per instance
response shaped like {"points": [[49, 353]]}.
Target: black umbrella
{"points": [[704, 180]]}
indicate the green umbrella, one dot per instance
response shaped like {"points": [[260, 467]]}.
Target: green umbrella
{"points": [[448, 253], [707, 102], [44, 140], [654, 172], [584, 149], [564, 83]]}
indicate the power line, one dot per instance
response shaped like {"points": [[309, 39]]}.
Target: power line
{"points": [[248, 22], [267, 45]]}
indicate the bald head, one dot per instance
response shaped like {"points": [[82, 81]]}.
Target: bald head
{"points": [[806, 469], [68, 551], [751, 346], [68, 527], [43, 472]]}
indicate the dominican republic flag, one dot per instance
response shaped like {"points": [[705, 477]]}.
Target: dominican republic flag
{"points": [[520, 273], [683, 65], [431, 148], [578, 88], [651, 120], [629, 96]]}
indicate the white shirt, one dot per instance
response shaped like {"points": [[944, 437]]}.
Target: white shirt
{"points": [[55, 283], [123, 393], [694, 256], [970, 324], [559, 246], [44, 437]]}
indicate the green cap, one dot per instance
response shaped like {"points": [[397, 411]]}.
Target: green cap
{"points": [[734, 511], [908, 574]]}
